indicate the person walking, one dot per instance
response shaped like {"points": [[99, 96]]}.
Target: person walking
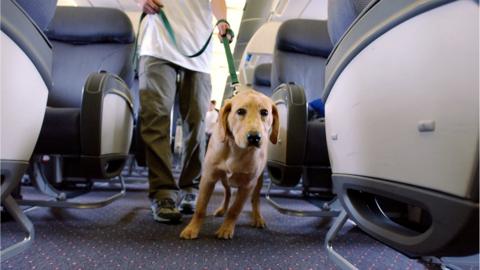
{"points": [[210, 120], [164, 71]]}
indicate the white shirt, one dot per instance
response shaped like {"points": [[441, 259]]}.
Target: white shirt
{"points": [[210, 120], [191, 21]]}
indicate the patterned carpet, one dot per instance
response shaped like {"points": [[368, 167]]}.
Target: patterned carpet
{"points": [[123, 235]]}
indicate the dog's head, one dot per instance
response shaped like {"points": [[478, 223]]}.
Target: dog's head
{"points": [[250, 118]]}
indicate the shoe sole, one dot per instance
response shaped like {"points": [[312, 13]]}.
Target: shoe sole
{"points": [[166, 218], [187, 209]]}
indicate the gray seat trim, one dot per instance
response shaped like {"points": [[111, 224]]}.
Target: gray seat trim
{"points": [[17, 25], [443, 237], [375, 20]]}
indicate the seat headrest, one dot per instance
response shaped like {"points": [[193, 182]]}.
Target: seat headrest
{"points": [[85, 25], [262, 75], [41, 12], [341, 14], [302, 36]]}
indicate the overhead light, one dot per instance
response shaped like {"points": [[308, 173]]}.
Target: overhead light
{"points": [[71, 3]]}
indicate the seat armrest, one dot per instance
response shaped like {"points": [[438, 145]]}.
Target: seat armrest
{"points": [[285, 159], [97, 87]]}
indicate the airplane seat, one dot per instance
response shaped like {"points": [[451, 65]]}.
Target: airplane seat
{"points": [[404, 168], [26, 81], [301, 44], [261, 79], [89, 118], [87, 39], [300, 55], [87, 129]]}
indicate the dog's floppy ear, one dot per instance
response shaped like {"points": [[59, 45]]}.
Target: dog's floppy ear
{"points": [[223, 120], [275, 125]]}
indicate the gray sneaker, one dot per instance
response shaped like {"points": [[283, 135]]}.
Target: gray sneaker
{"points": [[187, 205], [165, 210]]}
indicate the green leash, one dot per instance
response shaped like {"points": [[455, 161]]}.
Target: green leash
{"points": [[228, 54], [171, 34]]}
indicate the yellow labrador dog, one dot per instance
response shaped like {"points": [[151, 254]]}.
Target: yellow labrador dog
{"points": [[236, 155]]}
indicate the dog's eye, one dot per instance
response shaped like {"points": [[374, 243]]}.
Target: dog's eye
{"points": [[241, 112], [264, 112]]}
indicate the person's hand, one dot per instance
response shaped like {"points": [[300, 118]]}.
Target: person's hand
{"points": [[151, 6], [222, 30]]}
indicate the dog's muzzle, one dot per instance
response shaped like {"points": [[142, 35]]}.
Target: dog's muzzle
{"points": [[253, 139]]}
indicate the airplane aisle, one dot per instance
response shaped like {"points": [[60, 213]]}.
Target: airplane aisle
{"points": [[124, 236]]}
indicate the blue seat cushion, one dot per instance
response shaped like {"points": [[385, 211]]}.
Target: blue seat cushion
{"points": [[85, 25], [73, 63], [262, 74], [302, 36], [317, 107], [41, 12], [261, 79], [341, 14]]}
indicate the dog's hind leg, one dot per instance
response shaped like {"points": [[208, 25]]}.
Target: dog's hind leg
{"points": [[226, 200], [205, 192], [258, 220]]}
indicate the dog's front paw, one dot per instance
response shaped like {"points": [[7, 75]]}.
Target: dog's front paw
{"points": [[219, 212], [190, 232], [259, 222], [225, 232]]}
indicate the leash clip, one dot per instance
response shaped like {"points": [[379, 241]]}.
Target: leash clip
{"points": [[235, 89]]}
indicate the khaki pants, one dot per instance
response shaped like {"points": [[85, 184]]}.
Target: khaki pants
{"points": [[158, 86]]}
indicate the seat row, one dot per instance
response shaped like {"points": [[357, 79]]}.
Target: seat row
{"points": [[379, 107], [66, 95]]}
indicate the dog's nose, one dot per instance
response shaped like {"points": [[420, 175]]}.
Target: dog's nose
{"points": [[254, 139]]}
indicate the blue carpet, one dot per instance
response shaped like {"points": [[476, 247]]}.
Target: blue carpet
{"points": [[123, 235]]}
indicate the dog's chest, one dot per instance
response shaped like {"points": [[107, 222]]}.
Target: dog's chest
{"points": [[242, 174], [239, 179]]}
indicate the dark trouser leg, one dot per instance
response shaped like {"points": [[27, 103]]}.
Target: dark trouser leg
{"points": [[195, 92], [157, 79], [207, 140]]}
